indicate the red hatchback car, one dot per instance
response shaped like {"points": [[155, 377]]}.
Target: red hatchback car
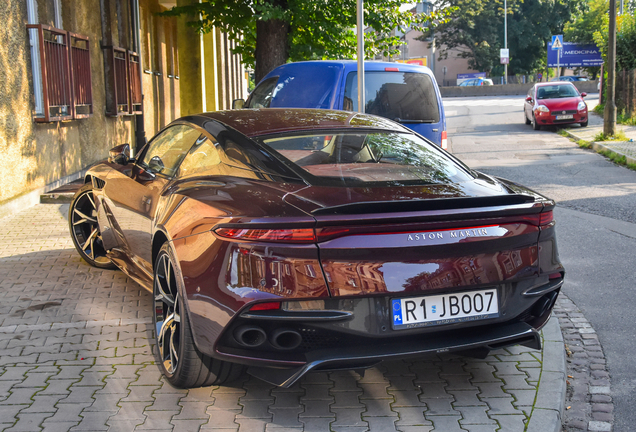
{"points": [[554, 103]]}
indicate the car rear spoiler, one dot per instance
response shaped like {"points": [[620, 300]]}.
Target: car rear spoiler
{"points": [[425, 205]]}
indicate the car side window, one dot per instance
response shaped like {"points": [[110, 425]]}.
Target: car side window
{"points": [[202, 157], [261, 97], [168, 149]]}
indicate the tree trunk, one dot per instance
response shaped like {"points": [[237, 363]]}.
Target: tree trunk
{"points": [[272, 48]]}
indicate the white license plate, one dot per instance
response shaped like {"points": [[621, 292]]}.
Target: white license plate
{"points": [[565, 117], [441, 309]]}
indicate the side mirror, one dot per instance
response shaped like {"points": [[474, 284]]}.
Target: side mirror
{"points": [[120, 154], [238, 104], [156, 164], [583, 94], [529, 99]]}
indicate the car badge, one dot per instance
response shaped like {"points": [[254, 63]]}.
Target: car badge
{"points": [[563, 112]]}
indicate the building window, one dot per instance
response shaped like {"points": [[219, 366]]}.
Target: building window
{"points": [[64, 74], [124, 83]]}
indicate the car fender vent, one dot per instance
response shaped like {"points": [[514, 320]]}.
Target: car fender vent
{"points": [[98, 183]]}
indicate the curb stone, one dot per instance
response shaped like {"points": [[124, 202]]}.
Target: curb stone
{"points": [[589, 406], [551, 387]]}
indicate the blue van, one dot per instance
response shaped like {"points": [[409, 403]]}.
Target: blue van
{"points": [[401, 92]]}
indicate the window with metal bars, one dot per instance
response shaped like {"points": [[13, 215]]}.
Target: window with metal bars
{"points": [[123, 90], [65, 74]]}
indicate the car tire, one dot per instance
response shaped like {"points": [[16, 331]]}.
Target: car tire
{"points": [[525, 117], [535, 125], [84, 228], [584, 124], [183, 365]]}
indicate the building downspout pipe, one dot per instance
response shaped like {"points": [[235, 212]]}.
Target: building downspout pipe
{"points": [[140, 129]]}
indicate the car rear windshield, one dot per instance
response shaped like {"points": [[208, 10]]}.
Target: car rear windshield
{"points": [[399, 96], [557, 91], [373, 158]]}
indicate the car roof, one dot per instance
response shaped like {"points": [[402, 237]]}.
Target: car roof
{"points": [[552, 83], [351, 65], [264, 121]]}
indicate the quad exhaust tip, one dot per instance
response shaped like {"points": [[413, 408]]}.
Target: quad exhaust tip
{"points": [[285, 339], [250, 336]]}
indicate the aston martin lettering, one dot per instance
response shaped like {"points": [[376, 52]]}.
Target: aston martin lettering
{"points": [[455, 234]]}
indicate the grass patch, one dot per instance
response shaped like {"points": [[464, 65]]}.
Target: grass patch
{"points": [[620, 136], [562, 132], [584, 144], [617, 159], [620, 117]]}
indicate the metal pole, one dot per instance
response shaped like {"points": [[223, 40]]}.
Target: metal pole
{"points": [[140, 130], [558, 71], [621, 9], [609, 127], [360, 24], [506, 39]]}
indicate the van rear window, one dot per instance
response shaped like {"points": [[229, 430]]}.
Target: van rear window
{"points": [[400, 96]]}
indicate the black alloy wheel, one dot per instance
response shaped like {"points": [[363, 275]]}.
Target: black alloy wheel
{"points": [[87, 238], [179, 359]]}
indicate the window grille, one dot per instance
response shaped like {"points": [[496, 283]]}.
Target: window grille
{"points": [[125, 84], [66, 74]]}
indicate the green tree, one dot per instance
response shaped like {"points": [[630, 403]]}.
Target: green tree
{"points": [[476, 29], [625, 40], [271, 32]]}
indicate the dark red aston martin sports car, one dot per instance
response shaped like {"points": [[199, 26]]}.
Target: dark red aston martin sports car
{"points": [[287, 241], [554, 103]]}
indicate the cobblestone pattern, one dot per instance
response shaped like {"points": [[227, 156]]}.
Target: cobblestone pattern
{"points": [[589, 405], [76, 355]]}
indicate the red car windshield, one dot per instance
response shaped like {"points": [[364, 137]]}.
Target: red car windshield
{"points": [[557, 91], [359, 158]]}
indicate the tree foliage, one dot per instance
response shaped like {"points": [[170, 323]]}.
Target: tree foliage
{"points": [[315, 29], [625, 38], [476, 30]]}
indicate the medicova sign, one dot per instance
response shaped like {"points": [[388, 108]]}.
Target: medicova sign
{"points": [[575, 55]]}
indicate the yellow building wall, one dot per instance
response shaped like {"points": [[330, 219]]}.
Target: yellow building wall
{"points": [[34, 155]]}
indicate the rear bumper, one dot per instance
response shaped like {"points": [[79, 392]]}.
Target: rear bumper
{"points": [[364, 356], [356, 333]]}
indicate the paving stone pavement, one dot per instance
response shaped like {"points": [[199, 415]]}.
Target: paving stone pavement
{"points": [[76, 355]]}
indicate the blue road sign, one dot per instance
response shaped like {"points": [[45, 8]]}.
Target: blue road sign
{"points": [[575, 55], [557, 42]]}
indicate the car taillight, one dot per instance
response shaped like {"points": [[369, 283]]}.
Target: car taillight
{"points": [[266, 306], [301, 235], [444, 140], [545, 218]]}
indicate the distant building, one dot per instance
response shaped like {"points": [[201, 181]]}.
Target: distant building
{"points": [[82, 76], [445, 70]]}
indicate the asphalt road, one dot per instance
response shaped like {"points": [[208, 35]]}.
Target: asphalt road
{"points": [[596, 219]]}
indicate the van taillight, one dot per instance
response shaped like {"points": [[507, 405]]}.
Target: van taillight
{"points": [[444, 140], [391, 69]]}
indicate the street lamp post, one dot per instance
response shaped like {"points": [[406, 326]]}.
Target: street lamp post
{"points": [[609, 126], [360, 24], [506, 39]]}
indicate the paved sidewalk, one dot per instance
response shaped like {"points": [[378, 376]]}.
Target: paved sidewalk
{"points": [[76, 355], [595, 126]]}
